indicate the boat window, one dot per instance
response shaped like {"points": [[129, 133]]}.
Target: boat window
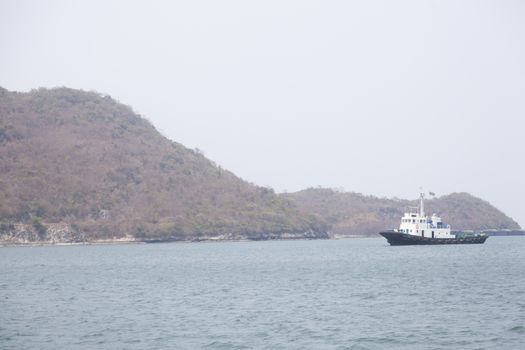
{"points": [[413, 220]]}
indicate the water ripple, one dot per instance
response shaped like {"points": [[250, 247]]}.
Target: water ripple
{"points": [[347, 294]]}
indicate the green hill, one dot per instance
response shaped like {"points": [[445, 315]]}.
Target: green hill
{"points": [[350, 213], [83, 159]]}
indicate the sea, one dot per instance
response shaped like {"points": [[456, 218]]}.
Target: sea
{"points": [[306, 294]]}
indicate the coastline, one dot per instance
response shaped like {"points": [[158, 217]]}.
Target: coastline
{"points": [[20, 242], [126, 242], [65, 234]]}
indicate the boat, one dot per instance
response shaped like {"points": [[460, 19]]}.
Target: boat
{"points": [[418, 229]]}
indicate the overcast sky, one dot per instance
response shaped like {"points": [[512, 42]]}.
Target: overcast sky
{"points": [[378, 97]]}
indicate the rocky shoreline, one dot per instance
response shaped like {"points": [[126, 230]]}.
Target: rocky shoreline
{"points": [[65, 234]]}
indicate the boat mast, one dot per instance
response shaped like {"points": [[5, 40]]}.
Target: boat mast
{"points": [[421, 205]]}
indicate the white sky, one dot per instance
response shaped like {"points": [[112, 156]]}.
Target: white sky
{"points": [[379, 97]]}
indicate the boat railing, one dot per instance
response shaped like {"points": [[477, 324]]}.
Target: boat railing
{"points": [[438, 226]]}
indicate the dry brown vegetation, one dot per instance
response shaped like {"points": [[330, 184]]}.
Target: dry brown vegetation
{"points": [[83, 158], [351, 213]]}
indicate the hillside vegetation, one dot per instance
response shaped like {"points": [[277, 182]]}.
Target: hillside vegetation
{"points": [[350, 213], [82, 158]]}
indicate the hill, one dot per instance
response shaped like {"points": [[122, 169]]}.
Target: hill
{"points": [[86, 164], [350, 213]]}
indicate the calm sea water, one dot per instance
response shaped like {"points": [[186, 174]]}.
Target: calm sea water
{"points": [[345, 294]]}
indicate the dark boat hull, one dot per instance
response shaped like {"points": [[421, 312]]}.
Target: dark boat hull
{"points": [[399, 238]]}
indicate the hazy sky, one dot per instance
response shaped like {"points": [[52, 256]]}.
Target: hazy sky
{"points": [[379, 97]]}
